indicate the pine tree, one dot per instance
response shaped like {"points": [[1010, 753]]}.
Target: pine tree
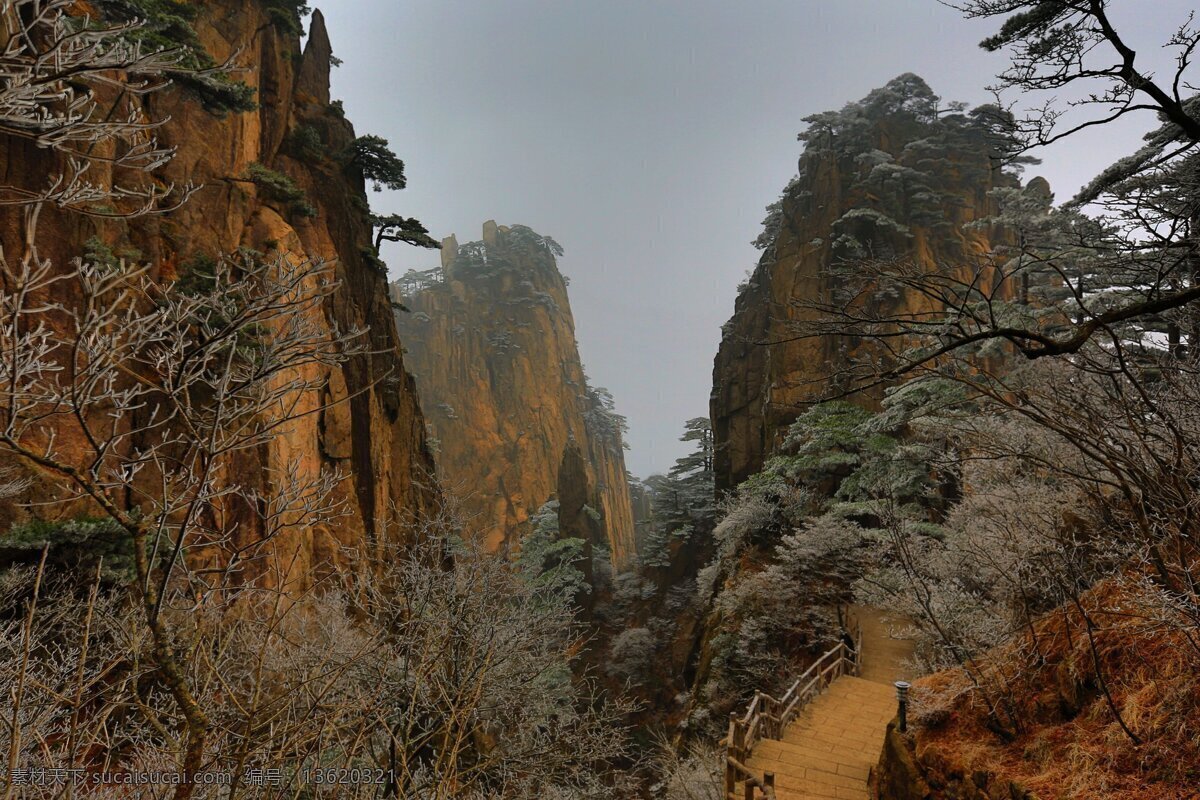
{"points": [[683, 499]]}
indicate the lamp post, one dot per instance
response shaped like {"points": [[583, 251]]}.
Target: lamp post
{"points": [[902, 688]]}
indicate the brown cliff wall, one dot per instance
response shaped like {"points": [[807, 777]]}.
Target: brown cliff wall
{"points": [[763, 374], [375, 435], [491, 341]]}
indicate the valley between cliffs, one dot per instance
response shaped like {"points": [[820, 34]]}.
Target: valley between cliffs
{"points": [[274, 511]]}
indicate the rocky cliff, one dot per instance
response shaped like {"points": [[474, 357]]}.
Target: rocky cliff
{"points": [[491, 341], [892, 177], [366, 426]]}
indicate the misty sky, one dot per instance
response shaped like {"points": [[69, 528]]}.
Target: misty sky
{"points": [[646, 137]]}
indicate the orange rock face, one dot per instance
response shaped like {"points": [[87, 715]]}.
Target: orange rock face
{"points": [[491, 342], [373, 434], [764, 376]]}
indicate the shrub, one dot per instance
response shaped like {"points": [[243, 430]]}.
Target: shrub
{"points": [[304, 142], [281, 188], [370, 257], [287, 14], [169, 25], [96, 251], [548, 561], [81, 543], [632, 653], [197, 275]]}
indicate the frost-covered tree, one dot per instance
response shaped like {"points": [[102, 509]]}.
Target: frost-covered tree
{"points": [[793, 540], [57, 90], [128, 359], [525, 237], [906, 185], [439, 671], [550, 561], [691, 772], [631, 653], [682, 500], [600, 417]]}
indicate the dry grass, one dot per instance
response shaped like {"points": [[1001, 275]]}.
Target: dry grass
{"points": [[1069, 744]]}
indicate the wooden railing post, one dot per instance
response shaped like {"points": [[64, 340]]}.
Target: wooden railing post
{"points": [[858, 647], [767, 704], [731, 752], [769, 783]]}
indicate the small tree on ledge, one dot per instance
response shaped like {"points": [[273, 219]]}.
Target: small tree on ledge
{"points": [[395, 228], [378, 163]]}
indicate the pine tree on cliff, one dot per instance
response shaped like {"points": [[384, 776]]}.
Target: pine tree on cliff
{"points": [[681, 500], [372, 158], [603, 422], [395, 228], [700, 462], [687, 489]]}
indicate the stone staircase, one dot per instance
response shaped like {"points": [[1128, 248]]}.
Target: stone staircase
{"points": [[827, 749]]}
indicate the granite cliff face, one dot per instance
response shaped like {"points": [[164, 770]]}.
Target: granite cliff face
{"points": [[890, 177], [491, 342], [366, 425]]}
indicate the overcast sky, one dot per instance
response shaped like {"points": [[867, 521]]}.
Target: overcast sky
{"points": [[646, 136]]}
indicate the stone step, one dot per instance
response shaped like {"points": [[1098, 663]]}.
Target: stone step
{"points": [[828, 750]]}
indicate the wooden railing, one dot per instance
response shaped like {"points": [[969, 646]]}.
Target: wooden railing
{"points": [[768, 717]]}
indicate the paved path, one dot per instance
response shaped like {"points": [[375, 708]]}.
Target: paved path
{"points": [[826, 753]]}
